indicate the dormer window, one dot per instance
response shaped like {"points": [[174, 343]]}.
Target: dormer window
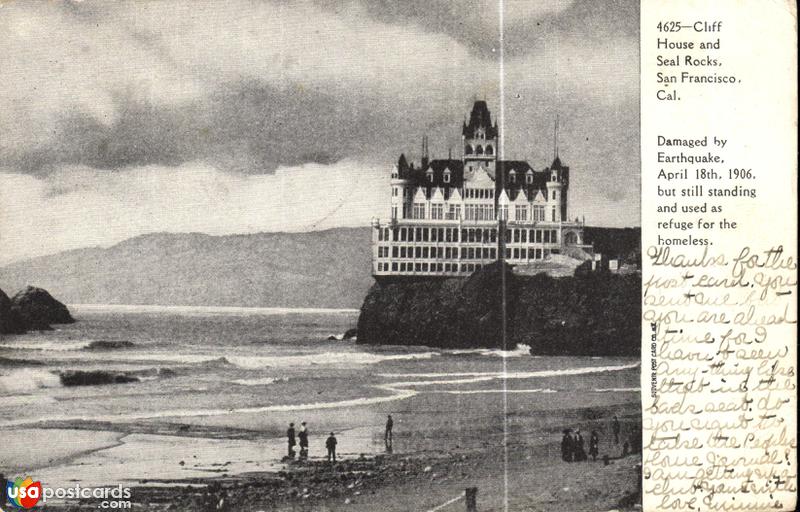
{"points": [[554, 176], [447, 176], [529, 178], [512, 177]]}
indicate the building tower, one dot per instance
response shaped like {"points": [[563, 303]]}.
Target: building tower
{"points": [[555, 193], [557, 185], [399, 184], [480, 139]]}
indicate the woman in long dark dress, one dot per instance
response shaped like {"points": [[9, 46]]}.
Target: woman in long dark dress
{"points": [[580, 447], [567, 446]]}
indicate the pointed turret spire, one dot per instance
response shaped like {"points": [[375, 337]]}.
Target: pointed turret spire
{"points": [[402, 164], [555, 139]]}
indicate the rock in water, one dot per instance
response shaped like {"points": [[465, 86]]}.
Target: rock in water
{"points": [[109, 345], [37, 309], [9, 320], [5, 313], [94, 378]]}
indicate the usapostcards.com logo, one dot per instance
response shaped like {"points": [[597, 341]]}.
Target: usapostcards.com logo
{"points": [[25, 493]]}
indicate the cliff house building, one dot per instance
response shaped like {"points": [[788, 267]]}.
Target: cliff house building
{"points": [[446, 215]]}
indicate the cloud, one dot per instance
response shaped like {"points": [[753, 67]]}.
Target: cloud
{"points": [[255, 85], [113, 115], [77, 207]]}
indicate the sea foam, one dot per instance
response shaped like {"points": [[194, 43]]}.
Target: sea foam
{"points": [[25, 381], [50, 345], [325, 358], [520, 351]]}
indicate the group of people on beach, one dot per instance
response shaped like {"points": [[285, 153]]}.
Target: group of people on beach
{"points": [[330, 444], [292, 436], [573, 446]]}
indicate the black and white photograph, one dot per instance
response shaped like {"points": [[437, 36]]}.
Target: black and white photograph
{"points": [[320, 255]]}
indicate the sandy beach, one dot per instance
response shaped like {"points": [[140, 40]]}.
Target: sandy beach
{"points": [[434, 457], [203, 419]]}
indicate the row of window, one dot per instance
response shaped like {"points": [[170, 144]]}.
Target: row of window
{"points": [[468, 235], [450, 268], [474, 212], [478, 150], [439, 267], [512, 178], [479, 212], [464, 253], [478, 193]]}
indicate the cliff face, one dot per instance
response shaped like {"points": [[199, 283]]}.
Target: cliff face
{"points": [[450, 312], [592, 314], [596, 314], [9, 323]]}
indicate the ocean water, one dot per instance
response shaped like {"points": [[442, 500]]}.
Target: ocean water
{"points": [[219, 374], [213, 361]]}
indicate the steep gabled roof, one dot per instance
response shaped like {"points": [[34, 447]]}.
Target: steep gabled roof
{"points": [[479, 118], [419, 177], [521, 169]]}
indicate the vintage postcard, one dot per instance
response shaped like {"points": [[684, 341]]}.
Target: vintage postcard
{"points": [[427, 255]]}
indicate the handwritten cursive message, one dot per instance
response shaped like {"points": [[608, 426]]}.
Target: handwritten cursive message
{"points": [[722, 386]]}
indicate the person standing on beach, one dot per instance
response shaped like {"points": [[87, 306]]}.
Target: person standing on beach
{"points": [[330, 444], [566, 446], [580, 447], [290, 440], [615, 429], [594, 445], [387, 435], [303, 435]]}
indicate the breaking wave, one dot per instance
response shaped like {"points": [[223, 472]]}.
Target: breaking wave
{"points": [[504, 391], [264, 381], [68, 346], [396, 391], [325, 358], [55, 346], [25, 381], [483, 376], [520, 351]]}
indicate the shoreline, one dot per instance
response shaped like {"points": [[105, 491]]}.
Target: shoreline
{"points": [[205, 310], [250, 475], [415, 480]]}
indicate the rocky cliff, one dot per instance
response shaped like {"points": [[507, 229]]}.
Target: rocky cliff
{"points": [[31, 309], [9, 324], [588, 314], [448, 313]]}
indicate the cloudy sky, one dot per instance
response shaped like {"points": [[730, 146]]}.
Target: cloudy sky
{"points": [[124, 118]]}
